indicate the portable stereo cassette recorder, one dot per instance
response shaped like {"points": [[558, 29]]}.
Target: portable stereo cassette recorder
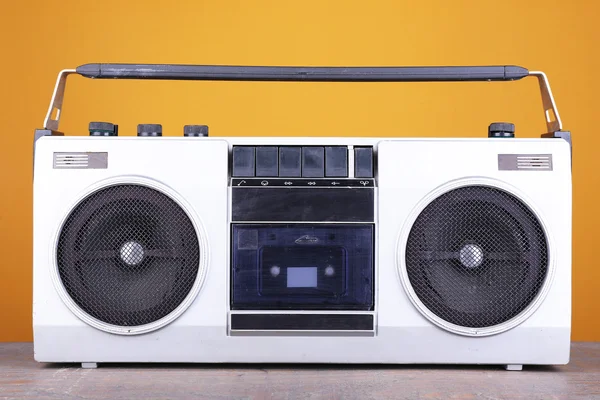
{"points": [[301, 250]]}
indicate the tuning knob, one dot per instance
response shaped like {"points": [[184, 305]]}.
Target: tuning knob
{"points": [[195, 130], [501, 130], [103, 129], [149, 130]]}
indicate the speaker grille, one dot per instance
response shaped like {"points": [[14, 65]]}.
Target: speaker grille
{"points": [[476, 256], [128, 255]]}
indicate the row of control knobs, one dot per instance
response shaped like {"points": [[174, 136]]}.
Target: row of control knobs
{"points": [[495, 130], [147, 130]]}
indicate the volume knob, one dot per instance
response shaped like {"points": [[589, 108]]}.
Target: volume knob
{"points": [[501, 130], [149, 130], [195, 130], [102, 129]]}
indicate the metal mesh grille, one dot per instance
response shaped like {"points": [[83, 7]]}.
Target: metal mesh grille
{"points": [[128, 255], [476, 256]]}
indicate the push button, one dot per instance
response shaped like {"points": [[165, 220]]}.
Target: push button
{"points": [[336, 162], [266, 161], [243, 161], [363, 162], [313, 162], [289, 162]]}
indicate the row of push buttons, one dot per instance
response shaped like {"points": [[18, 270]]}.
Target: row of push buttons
{"points": [[305, 162]]}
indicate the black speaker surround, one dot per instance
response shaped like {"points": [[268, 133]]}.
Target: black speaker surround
{"points": [[476, 256], [128, 255]]}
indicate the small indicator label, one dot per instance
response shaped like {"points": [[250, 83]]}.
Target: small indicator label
{"points": [[301, 277]]}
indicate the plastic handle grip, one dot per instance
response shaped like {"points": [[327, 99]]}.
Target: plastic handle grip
{"points": [[301, 74]]}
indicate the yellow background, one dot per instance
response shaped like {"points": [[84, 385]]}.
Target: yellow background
{"points": [[39, 38]]}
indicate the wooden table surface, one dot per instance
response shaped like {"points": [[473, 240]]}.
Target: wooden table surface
{"points": [[23, 378]]}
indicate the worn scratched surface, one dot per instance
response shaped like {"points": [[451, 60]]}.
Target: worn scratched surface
{"points": [[23, 378]]}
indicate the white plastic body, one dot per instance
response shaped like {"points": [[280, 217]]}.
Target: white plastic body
{"points": [[408, 170]]}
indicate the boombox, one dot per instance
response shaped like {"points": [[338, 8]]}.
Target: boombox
{"points": [[196, 249]]}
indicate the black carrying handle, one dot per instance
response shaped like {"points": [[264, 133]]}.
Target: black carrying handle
{"points": [[301, 74]]}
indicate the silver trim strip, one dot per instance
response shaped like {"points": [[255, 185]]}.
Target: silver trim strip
{"points": [[304, 312], [342, 186], [241, 332], [235, 221]]}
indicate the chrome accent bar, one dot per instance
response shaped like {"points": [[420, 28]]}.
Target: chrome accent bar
{"points": [[241, 332]]}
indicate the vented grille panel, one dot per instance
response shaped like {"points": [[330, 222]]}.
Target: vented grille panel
{"points": [[92, 160], [525, 162], [128, 255], [476, 256]]}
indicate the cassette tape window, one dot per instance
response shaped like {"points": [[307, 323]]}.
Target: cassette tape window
{"points": [[302, 266]]}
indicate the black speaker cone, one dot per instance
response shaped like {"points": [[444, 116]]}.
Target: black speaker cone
{"points": [[476, 256], [128, 255]]}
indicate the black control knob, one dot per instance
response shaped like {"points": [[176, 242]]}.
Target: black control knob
{"points": [[149, 130], [103, 129], [501, 130], [195, 130]]}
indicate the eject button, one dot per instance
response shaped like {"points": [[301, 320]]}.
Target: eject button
{"points": [[363, 162]]}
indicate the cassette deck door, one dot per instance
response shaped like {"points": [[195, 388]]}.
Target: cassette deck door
{"points": [[302, 242]]}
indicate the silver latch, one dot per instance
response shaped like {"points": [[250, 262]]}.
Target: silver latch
{"points": [[551, 115], [57, 100]]}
